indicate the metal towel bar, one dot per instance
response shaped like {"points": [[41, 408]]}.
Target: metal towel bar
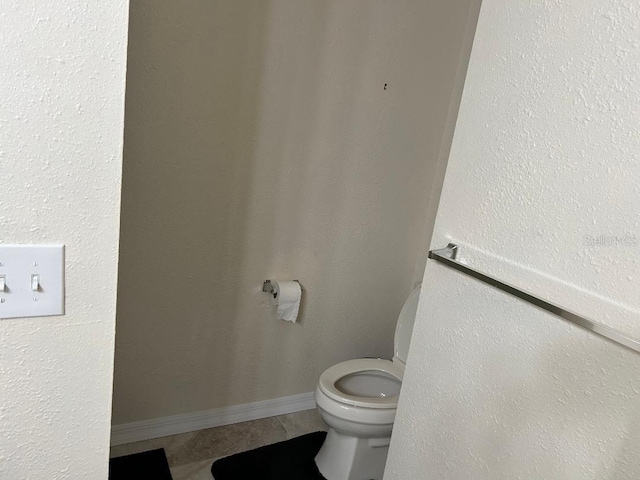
{"points": [[448, 257]]}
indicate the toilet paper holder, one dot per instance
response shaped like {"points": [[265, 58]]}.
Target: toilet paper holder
{"points": [[267, 286]]}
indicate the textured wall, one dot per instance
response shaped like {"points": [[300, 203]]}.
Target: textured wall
{"points": [[497, 390], [541, 190], [260, 142], [62, 88]]}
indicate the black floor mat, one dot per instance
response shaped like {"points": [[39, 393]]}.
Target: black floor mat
{"points": [[289, 460], [151, 465]]}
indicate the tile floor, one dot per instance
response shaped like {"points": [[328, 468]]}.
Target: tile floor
{"points": [[191, 454]]}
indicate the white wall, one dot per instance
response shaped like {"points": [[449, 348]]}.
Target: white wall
{"points": [[260, 142], [62, 87], [544, 165]]}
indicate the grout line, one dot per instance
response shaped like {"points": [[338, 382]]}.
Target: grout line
{"points": [[279, 417]]}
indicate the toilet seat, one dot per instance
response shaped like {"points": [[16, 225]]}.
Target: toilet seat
{"points": [[334, 374]]}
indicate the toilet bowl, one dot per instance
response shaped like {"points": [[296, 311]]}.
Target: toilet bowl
{"points": [[358, 400]]}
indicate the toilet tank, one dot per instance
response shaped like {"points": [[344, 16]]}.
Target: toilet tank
{"points": [[404, 327]]}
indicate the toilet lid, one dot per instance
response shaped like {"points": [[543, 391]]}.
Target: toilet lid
{"points": [[331, 379], [404, 327]]}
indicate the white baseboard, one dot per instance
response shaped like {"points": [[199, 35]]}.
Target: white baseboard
{"points": [[189, 422]]}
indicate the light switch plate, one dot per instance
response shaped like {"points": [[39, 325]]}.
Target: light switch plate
{"points": [[21, 296]]}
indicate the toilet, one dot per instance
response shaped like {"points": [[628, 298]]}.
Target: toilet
{"points": [[358, 400]]}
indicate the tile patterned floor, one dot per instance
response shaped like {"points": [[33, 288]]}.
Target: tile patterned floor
{"points": [[191, 454]]}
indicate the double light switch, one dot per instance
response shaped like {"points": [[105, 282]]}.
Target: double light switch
{"points": [[31, 280], [35, 283]]}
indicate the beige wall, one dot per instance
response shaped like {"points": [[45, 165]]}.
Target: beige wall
{"points": [[260, 143], [62, 86]]}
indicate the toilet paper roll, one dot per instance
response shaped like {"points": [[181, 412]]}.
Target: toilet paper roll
{"points": [[286, 295]]}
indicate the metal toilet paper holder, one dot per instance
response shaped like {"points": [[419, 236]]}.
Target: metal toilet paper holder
{"points": [[267, 286]]}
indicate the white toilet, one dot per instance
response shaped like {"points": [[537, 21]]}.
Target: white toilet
{"points": [[358, 400]]}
